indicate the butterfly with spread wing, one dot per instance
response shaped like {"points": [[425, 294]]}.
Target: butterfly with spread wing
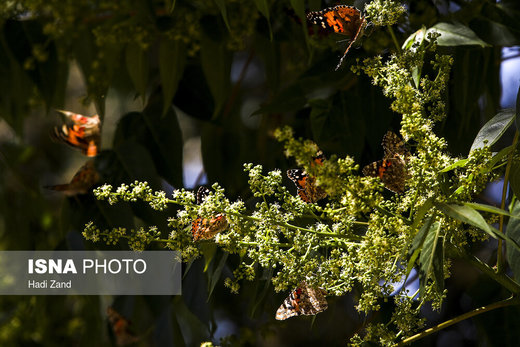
{"points": [[392, 169], [121, 328], [81, 132], [306, 185], [84, 179], [341, 19], [304, 300], [207, 228]]}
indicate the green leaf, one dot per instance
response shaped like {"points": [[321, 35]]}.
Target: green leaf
{"points": [[299, 8], [489, 208], [217, 272], [517, 118], [457, 164], [172, 58], [513, 231], [514, 177], [208, 250], [493, 129], [137, 162], [430, 264], [417, 36], [469, 215], [194, 331], [160, 135], [499, 156], [417, 244], [465, 214], [216, 64], [456, 35], [137, 66], [223, 11], [170, 5], [263, 8]]}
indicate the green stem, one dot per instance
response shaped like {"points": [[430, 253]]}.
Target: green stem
{"points": [[508, 302], [500, 253], [501, 278], [391, 31]]}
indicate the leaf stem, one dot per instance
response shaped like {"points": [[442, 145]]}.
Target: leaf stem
{"points": [[502, 279], [504, 303], [396, 43], [500, 253]]}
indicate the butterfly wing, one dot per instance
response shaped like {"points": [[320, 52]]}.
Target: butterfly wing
{"points": [[207, 228], [391, 171], [86, 177], [80, 132], [304, 300], [393, 145], [306, 186], [341, 19], [120, 327]]}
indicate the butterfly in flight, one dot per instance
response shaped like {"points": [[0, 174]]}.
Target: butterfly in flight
{"points": [[84, 179], [392, 169], [120, 327], [341, 19], [80, 132], [306, 186], [207, 228], [304, 300]]}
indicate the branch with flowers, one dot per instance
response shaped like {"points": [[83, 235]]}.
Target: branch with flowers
{"points": [[362, 234]]}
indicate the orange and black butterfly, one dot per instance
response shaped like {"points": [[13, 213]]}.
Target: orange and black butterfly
{"points": [[84, 179], [304, 300], [341, 19], [306, 185], [207, 228], [392, 169], [80, 132], [120, 327]]}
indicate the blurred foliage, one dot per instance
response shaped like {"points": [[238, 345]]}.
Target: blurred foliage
{"points": [[228, 72]]}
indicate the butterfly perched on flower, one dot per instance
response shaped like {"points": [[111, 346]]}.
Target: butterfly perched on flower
{"points": [[207, 228], [304, 300], [306, 186], [392, 169], [120, 327], [341, 19], [84, 179], [80, 132]]}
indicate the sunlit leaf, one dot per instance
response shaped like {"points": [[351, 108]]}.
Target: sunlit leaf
{"points": [[417, 244], [457, 164], [493, 129], [456, 35], [465, 214], [490, 209], [430, 259]]}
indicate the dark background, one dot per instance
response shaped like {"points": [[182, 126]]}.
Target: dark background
{"points": [[186, 97]]}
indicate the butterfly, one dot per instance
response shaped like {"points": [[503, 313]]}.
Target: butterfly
{"points": [[120, 327], [392, 169], [86, 177], [207, 228], [304, 300], [341, 19], [308, 191], [80, 132]]}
